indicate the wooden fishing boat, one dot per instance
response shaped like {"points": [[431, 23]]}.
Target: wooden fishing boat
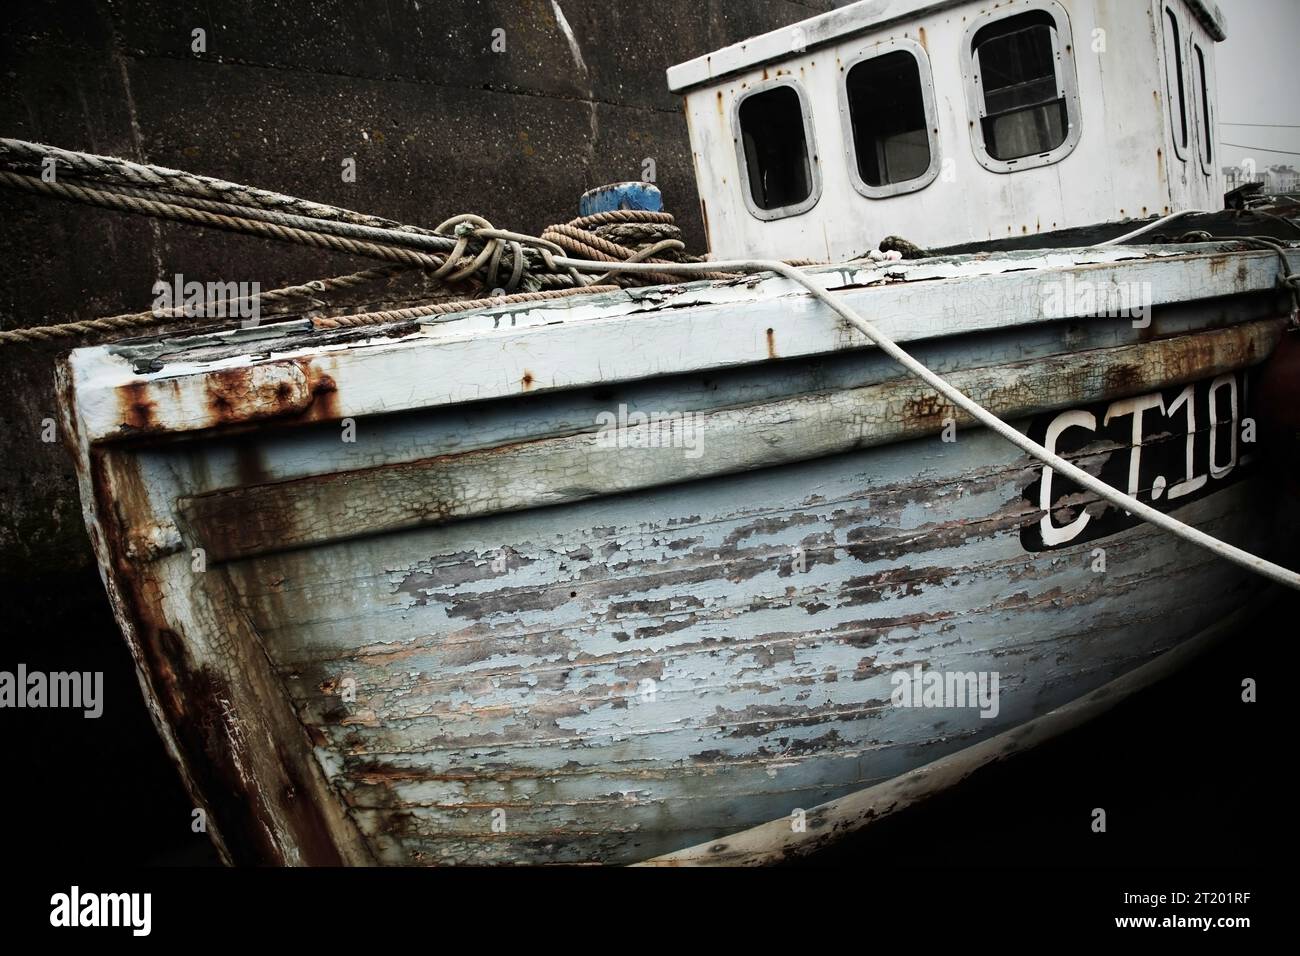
{"points": [[613, 578]]}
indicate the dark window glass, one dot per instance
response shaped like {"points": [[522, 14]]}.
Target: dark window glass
{"points": [[1024, 113], [1177, 96], [1205, 106], [776, 149], [887, 111]]}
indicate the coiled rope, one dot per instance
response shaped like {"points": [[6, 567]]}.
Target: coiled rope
{"points": [[464, 251]]}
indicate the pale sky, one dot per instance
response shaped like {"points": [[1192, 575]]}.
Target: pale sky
{"points": [[1259, 81]]}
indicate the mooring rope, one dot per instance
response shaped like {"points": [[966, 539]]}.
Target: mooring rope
{"points": [[462, 249], [19, 153], [286, 299], [231, 223]]}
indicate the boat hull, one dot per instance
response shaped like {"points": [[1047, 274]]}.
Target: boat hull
{"points": [[643, 673], [542, 629]]}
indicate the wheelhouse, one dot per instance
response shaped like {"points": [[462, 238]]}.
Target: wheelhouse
{"points": [[953, 122]]}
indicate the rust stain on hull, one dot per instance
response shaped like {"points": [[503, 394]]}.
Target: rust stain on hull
{"points": [[260, 808]]}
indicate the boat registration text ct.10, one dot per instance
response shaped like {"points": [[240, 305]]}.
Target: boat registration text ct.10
{"points": [[1165, 448]]}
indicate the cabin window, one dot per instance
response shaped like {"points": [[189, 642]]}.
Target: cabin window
{"points": [[1207, 128], [889, 101], [1022, 87], [775, 150], [1175, 83], [1024, 113]]}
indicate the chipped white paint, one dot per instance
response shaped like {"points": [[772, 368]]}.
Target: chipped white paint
{"points": [[1123, 166], [626, 336]]}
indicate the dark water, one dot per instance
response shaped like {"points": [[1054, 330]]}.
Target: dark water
{"points": [[1181, 770]]}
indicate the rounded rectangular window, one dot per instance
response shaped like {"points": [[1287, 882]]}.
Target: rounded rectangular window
{"points": [[1023, 88], [889, 100], [1176, 87], [1206, 115], [1024, 113], [775, 151]]}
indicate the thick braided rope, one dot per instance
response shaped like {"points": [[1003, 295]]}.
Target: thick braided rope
{"points": [[239, 199], [589, 245], [614, 216], [285, 298], [160, 177], [236, 204], [635, 233], [149, 207], [284, 227], [465, 247], [237, 207], [418, 240], [600, 248]]}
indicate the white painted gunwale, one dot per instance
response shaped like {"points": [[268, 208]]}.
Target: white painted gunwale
{"points": [[666, 330]]}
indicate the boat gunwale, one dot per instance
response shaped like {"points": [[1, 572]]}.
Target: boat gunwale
{"points": [[699, 328]]}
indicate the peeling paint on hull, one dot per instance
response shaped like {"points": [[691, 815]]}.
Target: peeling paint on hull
{"points": [[476, 635]]}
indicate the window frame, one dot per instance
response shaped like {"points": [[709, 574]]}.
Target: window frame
{"points": [[926, 76], [810, 142], [1201, 85], [1067, 86], [1176, 60]]}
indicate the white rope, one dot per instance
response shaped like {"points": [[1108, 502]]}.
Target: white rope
{"points": [[1143, 230], [982, 415]]}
